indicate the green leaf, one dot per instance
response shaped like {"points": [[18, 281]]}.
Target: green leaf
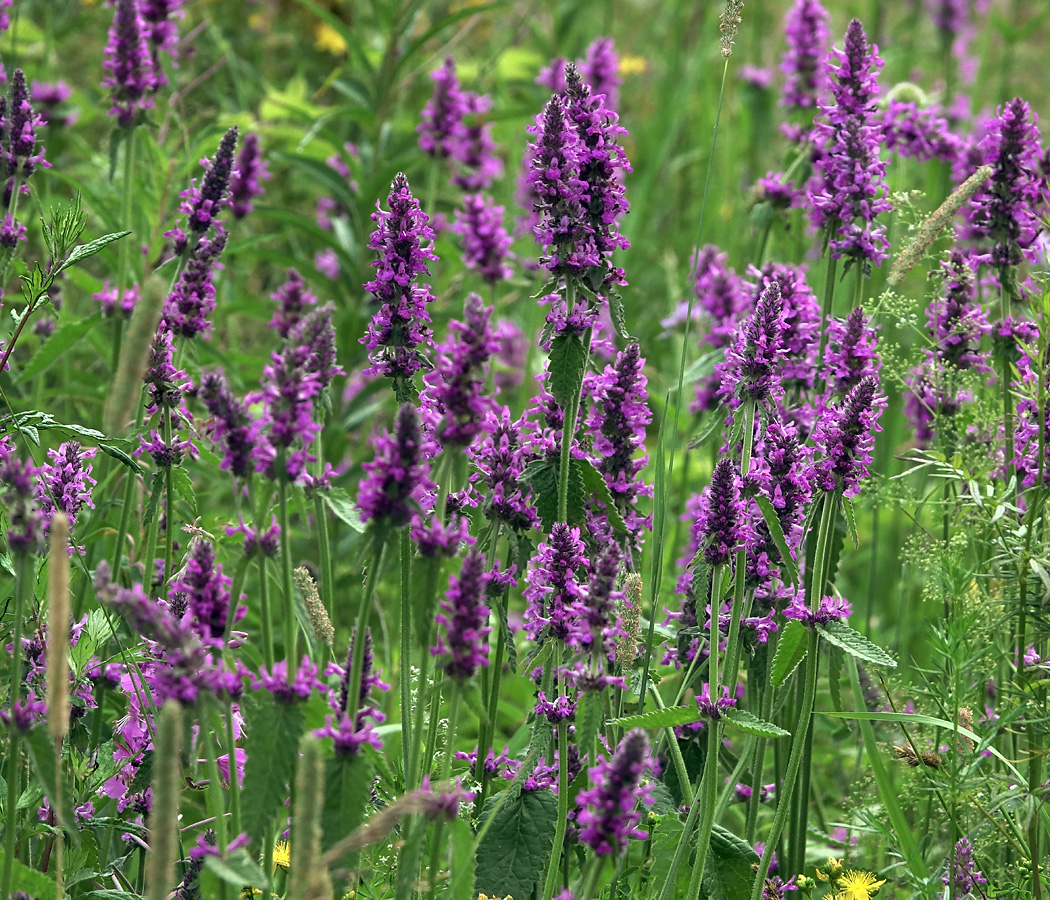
{"points": [[238, 869], [272, 744], [90, 249], [343, 508], [791, 650], [41, 749], [67, 334], [855, 644], [568, 358], [180, 480], [408, 863], [34, 883], [594, 483], [777, 533], [660, 718], [728, 874], [588, 722], [851, 520], [536, 659], [749, 723], [154, 497], [541, 479], [665, 840], [110, 448], [513, 856]]}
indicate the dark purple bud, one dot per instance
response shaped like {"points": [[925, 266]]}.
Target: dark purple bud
{"points": [[609, 812], [464, 616]]}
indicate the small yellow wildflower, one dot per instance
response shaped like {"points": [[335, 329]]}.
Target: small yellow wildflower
{"points": [[831, 870], [329, 40], [249, 892], [632, 65], [486, 897], [854, 885], [282, 855]]}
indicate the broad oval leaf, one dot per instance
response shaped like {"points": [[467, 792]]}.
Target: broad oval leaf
{"points": [[855, 644], [791, 650], [661, 718]]}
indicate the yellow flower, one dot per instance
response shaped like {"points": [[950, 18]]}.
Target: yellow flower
{"points": [[249, 892], [632, 65], [329, 40], [854, 885], [486, 897], [282, 855]]}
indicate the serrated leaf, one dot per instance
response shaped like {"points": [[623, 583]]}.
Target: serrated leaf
{"points": [[792, 646], [180, 480], [111, 449], [589, 715], [728, 874], [594, 483], [34, 883], [536, 659], [855, 644], [154, 497], [342, 507], [90, 249], [272, 745], [461, 881], [238, 869], [665, 838], [769, 513], [513, 855], [661, 718], [749, 723], [616, 314], [65, 336], [568, 358], [41, 749], [851, 520], [348, 795]]}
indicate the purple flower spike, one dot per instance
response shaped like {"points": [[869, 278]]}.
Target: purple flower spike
{"points": [[486, 244], [752, 367], [830, 609], [963, 875], [1005, 211], [244, 180], [24, 523], [479, 165], [500, 460], [713, 709], [206, 591], [231, 424], [387, 494], [315, 333], [292, 299], [298, 691], [453, 398], [800, 322], [464, 616], [846, 435], [851, 186], [609, 813], [808, 41], [555, 587], [289, 386], [598, 609], [166, 383], [442, 129], [552, 77], [202, 205], [132, 76], [189, 306], [721, 515], [65, 482], [22, 123], [401, 326], [601, 70], [851, 354]]}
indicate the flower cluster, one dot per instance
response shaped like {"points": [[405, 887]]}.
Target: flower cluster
{"points": [[555, 587], [846, 435], [609, 813], [132, 77], [65, 483], [463, 615], [387, 494], [347, 734], [249, 171], [486, 244]]}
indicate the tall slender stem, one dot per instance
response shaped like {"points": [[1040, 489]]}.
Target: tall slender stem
{"points": [[404, 663], [23, 568], [563, 797], [291, 625], [357, 658]]}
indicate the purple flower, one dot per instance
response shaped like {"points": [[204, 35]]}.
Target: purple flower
{"points": [[188, 307], [1005, 211], [206, 591], [850, 185], [231, 425], [602, 164], [244, 180], [442, 805], [464, 616], [808, 39], [387, 494], [560, 709], [598, 606], [713, 709], [25, 715], [203, 205], [476, 155], [846, 435], [601, 70], [288, 693], [617, 423], [402, 323], [918, 132], [315, 335], [963, 876], [830, 609], [20, 148], [555, 587], [442, 128], [486, 244], [556, 155], [11, 232], [289, 386], [609, 814], [752, 366], [453, 399], [24, 522], [800, 322], [110, 299], [957, 323], [132, 76], [65, 482], [500, 460], [721, 515], [784, 460], [552, 77], [166, 383], [256, 540], [163, 453], [851, 354], [160, 16]]}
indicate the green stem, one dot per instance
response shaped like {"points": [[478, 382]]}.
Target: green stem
{"points": [[327, 577], [358, 657], [235, 788], [709, 795], [23, 570], [404, 664], [829, 301], [563, 798], [738, 611], [432, 571], [568, 430], [683, 844], [216, 798], [676, 752], [453, 724], [169, 508], [265, 614], [291, 625], [489, 730]]}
